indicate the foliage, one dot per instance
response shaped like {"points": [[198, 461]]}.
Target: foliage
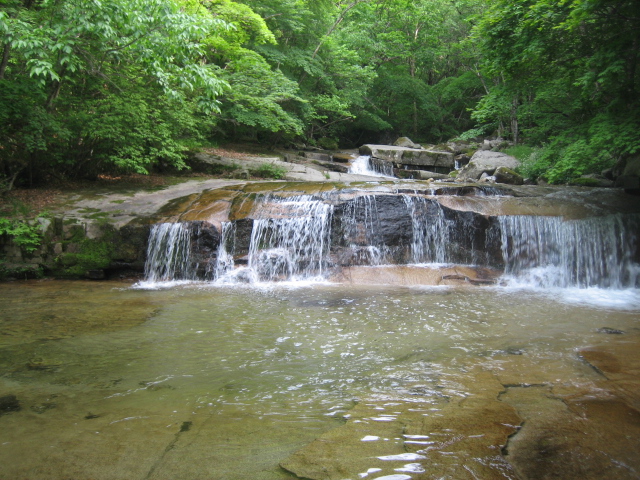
{"points": [[25, 235], [563, 75], [64, 61], [91, 86]]}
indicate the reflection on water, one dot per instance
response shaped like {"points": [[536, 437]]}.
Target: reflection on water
{"points": [[202, 381]]}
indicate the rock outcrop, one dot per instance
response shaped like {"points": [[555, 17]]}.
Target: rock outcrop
{"points": [[408, 157], [627, 174], [487, 162]]}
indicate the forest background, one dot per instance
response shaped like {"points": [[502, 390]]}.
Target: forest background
{"points": [[95, 86]]}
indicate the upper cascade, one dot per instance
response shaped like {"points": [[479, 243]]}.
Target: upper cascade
{"points": [[283, 235]]}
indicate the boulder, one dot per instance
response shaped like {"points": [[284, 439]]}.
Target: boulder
{"points": [[323, 157], [592, 180], [484, 161], [331, 166], [629, 166], [405, 142], [419, 174], [343, 157], [627, 174], [506, 175], [630, 184], [410, 156]]}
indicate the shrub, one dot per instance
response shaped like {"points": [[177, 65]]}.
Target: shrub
{"points": [[269, 170], [26, 236]]}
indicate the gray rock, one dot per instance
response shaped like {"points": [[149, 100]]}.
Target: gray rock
{"points": [[343, 157], [405, 142], [631, 184], [486, 178], [592, 180], [484, 161], [333, 167], [323, 157], [508, 176], [410, 156], [611, 331]]}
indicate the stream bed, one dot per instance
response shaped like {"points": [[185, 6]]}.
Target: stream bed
{"points": [[268, 382]]}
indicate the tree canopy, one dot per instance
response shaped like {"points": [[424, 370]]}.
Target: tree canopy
{"points": [[91, 86]]}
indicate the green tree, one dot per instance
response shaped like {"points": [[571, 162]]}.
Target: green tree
{"points": [[63, 58], [563, 75]]}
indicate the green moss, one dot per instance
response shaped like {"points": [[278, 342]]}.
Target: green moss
{"points": [[100, 215], [89, 254], [584, 182], [469, 152]]}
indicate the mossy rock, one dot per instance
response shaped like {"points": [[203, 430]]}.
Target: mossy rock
{"points": [[586, 182], [509, 176], [328, 143], [20, 271]]}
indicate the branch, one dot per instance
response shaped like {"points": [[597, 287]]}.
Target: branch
{"points": [[335, 25]]}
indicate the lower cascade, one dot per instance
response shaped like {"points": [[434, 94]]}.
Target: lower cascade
{"points": [[365, 165], [313, 237]]}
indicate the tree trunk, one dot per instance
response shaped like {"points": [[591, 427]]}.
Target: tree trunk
{"points": [[5, 59], [514, 120]]}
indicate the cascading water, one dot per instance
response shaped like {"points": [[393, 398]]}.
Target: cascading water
{"points": [[550, 252], [431, 233], [290, 239], [364, 166], [360, 224], [305, 237], [224, 261], [169, 253]]}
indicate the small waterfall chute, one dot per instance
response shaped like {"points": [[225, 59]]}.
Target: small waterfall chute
{"points": [[552, 252], [290, 238], [365, 165], [169, 253]]}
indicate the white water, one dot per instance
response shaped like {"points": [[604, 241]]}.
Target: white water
{"points": [[550, 252], [290, 241], [168, 253], [430, 234], [363, 166]]}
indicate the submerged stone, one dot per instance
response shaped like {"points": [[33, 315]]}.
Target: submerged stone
{"points": [[9, 403]]}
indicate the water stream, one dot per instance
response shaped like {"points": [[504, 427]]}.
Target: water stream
{"points": [[364, 165], [240, 356], [228, 382], [308, 237]]}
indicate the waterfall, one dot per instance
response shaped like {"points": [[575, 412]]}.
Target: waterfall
{"points": [[363, 165], [224, 260], [360, 225], [300, 237], [169, 253], [290, 238], [431, 233], [550, 252]]}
